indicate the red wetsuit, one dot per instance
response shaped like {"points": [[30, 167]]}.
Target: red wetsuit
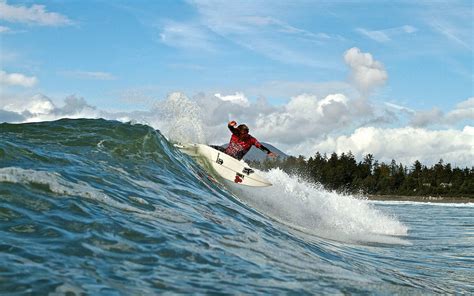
{"points": [[240, 145]]}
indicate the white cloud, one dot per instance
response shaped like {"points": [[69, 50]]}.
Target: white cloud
{"points": [[452, 25], [408, 29], [463, 111], [386, 35], [400, 108], [258, 27], [426, 118], [38, 104], [453, 22], [77, 107], [17, 79], [186, 36], [4, 30], [304, 116], [41, 108], [378, 36], [307, 124], [238, 98], [308, 106], [366, 73], [450, 32], [287, 89], [304, 125], [34, 15], [406, 144], [467, 104]]}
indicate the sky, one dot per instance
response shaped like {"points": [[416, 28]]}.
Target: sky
{"points": [[390, 78]]}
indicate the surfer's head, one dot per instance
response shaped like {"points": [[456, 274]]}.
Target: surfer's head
{"points": [[243, 129]]}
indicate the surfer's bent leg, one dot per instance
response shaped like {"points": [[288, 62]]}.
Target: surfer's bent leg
{"points": [[240, 154], [218, 148]]}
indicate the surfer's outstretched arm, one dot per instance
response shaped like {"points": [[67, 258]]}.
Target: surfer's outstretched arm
{"points": [[264, 149]]}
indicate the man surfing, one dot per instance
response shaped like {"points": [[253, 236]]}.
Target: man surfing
{"points": [[241, 142]]}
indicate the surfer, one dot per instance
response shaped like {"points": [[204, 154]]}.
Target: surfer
{"points": [[241, 142]]}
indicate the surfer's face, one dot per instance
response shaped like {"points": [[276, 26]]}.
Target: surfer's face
{"points": [[243, 129]]}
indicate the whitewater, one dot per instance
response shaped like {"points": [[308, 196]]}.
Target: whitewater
{"points": [[94, 206]]}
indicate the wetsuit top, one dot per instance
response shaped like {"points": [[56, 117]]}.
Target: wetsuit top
{"points": [[238, 146]]}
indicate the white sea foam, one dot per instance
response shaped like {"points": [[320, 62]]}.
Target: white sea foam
{"points": [[57, 184], [312, 209], [67, 288], [62, 187], [180, 119]]}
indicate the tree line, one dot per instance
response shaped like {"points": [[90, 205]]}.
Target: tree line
{"points": [[369, 176]]}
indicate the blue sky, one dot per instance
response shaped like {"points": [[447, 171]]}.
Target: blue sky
{"points": [[413, 59]]}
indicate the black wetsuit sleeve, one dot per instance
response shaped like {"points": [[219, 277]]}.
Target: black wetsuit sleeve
{"points": [[264, 149], [233, 129], [260, 146]]}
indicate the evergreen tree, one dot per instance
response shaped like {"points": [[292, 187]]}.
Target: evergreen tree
{"points": [[343, 173]]}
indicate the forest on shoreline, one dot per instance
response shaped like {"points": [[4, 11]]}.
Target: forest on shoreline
{"points": [[344, 174]]}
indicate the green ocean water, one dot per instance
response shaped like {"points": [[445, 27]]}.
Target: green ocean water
{"points": [[97, 207]]}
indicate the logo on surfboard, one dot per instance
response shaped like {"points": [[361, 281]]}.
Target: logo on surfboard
{"points": [[239, 178], [248, 171], [219, 160]]}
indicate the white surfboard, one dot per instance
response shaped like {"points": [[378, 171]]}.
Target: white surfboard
{"points": [[227, 167]]}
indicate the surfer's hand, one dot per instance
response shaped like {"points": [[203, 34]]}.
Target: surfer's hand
{"points": [[271, 154], [232, 123]]}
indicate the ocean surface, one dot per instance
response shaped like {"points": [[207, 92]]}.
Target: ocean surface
{"points": [[98, 207]]}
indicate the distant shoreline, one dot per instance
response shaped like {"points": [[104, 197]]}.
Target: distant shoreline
{"points": [[436, 199]]}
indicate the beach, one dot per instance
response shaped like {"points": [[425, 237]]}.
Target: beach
{"points": [[436, 199]]}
